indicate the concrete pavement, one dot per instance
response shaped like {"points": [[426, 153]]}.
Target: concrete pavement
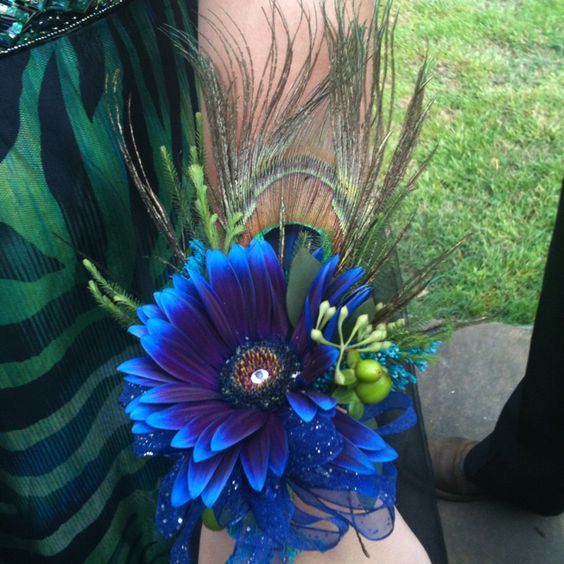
{"points": [[462, 394]]}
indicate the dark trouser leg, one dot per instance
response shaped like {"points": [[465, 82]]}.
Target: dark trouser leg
{"points": [[522, 461]]}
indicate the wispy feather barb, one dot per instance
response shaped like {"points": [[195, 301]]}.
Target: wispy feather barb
{"points": [[330, 158]]}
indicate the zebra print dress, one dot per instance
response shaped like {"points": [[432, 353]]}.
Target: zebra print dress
{"points": [[71, 489]]}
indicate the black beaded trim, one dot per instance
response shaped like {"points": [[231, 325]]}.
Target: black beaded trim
{"points": [[40, 24]]}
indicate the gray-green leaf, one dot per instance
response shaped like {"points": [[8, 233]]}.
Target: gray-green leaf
{"points": [[343, 395], [356, 407], [302, 273]]}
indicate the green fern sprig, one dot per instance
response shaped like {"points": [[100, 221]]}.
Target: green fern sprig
{"points": [[182, 196], [233, 231], [173, 187], [209, 220], [111, 297]]}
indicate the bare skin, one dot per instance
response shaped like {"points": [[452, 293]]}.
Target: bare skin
{"points": [[401, 547]]}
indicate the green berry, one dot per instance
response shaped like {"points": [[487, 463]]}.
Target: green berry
{"points": [[374, 392], [209, 520], [353, 358], [369, 370]]}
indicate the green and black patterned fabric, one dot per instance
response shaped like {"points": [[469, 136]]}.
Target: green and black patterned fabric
{"points": [[71, 490]]}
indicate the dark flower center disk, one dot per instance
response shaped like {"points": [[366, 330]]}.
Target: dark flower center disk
{"points": [[259, 375]]}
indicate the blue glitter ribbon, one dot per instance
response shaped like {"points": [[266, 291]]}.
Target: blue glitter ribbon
{"points": [[273, 524]]}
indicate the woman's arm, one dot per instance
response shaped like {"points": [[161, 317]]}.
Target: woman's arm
{"points": [[401, 547]]}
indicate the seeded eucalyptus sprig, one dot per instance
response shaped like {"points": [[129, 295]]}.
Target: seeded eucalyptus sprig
{"points": [[364, 337]]}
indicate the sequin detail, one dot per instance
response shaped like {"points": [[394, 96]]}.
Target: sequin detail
{"points": [[25, 22]]}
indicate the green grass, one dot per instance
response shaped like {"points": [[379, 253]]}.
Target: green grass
{"points": [[499, 91]]}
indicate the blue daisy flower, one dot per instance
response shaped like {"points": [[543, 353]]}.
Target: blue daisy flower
{"points": [[225, 374]]}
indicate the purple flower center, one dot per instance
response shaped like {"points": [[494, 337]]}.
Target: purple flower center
{"points": [[259, 375]]}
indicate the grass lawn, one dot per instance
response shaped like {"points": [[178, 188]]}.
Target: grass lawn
{"points": [[499, 92]]}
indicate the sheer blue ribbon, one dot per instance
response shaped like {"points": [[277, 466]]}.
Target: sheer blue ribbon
{"points": [[311, 507]]}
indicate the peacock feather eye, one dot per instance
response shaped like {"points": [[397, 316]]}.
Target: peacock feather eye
{"points": [[259, 375]]}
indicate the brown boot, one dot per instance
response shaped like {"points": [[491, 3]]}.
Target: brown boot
{"points": [[447, 455]]}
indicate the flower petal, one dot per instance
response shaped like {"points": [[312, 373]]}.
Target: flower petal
{"points": [[356, 299], [240, 425], [149, 311], [254, 458], [189, 434], [300, 339], [215, 311], [180, 494], [137, 331], [352, 458], [132, 404], [263, 291], [318, 361], [202, 448], [183, 284], [215, 486], [140, 428], [172, 418], [325, 402], [342, 284], [278, 445], [172, 357], [227, 288], [387, 454], [302, 405], [358, 433], [178, 393], [238, 260], [146, 368], [321, 282], [140, 381], [187, 315], [200, 473], [141, 412], [278, 286], [318, 254]]}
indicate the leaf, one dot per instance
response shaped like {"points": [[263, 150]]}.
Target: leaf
{"points": [[343, 395], [111, 289], [196, 173], [356, 407], [349, 376], [302, 273]]}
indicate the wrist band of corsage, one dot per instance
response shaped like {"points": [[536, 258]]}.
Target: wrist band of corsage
{"points": [[268, 359]]}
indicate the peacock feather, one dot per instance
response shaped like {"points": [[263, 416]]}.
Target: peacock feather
{"points": [[300, 165]]}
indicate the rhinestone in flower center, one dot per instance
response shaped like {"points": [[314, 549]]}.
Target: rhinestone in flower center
{"points": [[256, 367], [259, 375]]}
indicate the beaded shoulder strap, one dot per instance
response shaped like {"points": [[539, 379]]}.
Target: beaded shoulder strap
{"points": [[26, 22]]}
